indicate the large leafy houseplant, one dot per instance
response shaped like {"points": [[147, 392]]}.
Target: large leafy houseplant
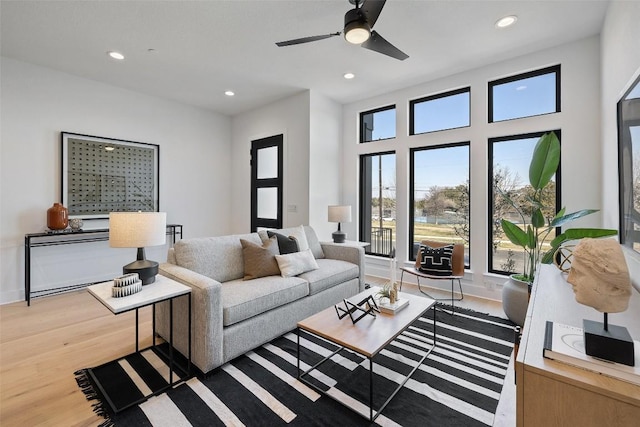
{"points": [[544, 163]]}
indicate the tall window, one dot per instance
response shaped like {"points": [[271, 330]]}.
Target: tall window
{"points": [[525, 95], [447, 110], [378, 202], [509, 159], [378, 124], [439, 196]]}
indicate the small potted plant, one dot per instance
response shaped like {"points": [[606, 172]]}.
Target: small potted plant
{"points": [[535, 228], [387, 291]]}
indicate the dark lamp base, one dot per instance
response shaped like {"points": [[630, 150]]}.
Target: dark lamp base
{"points": [[615, 344], [147, 270], [338, 236]]}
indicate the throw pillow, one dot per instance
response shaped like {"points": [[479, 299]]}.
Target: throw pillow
{"points": [[300, 236], [260, 261], [286, 244], [305, 237], [436, 261], [296, 263]]}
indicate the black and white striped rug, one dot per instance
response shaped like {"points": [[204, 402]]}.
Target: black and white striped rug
{"points": [[459, 384]]}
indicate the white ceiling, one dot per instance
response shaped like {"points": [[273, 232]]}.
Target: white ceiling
{"points": [[202, 48]]}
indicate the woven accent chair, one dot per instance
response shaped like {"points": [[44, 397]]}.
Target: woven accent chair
{"points": [[457, 264]]}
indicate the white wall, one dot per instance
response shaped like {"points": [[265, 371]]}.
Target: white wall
{"points": [[289, 117], [325, 163], [581, 150], [37, 104], [311, 127], [620, 64]]}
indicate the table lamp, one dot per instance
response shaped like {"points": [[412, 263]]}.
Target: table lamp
{"points": [[339, 214], [137, 230]]}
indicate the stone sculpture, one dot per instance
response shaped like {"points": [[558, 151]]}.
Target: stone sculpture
{"points": [[599, 275]]}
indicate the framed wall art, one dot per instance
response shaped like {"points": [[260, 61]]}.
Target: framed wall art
{"points": [[102, 175]]}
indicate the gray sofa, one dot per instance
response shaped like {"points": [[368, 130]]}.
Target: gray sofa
{"points": [[231, 316]]}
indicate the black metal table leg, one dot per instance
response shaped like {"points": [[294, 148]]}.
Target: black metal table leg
{"points": [[171, 341], [189, 365], [371, 389], [153, 323], [27, 269], [298, 351]]}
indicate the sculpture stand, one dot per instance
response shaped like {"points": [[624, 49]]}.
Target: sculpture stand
{"points": [[608, 342]]}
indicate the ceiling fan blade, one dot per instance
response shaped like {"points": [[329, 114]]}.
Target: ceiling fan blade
{"points": [[372, 9], [306, 39], [378, 44]]}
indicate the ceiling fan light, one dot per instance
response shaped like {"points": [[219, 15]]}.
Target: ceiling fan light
{"points": [[356, 28], [357, 35]]}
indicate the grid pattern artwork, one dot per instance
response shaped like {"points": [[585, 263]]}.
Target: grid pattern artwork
{"points": [[105, 177]]}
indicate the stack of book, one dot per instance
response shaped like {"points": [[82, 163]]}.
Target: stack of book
{"points": [[566, 344], [387, 307]]}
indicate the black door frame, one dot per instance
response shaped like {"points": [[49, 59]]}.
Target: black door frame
{"points": [[258, 144]]}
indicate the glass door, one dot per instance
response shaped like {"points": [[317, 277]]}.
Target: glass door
{"points": [[266, 182]]}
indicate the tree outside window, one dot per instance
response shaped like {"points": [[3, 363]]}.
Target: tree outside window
{"points": [[509, 162], [440, 195]]}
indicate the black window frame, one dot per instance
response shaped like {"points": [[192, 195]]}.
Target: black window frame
{"points": [[547, 70], [447, 94], [362, 128], [364, 221], [490, 198], [412, 151]]}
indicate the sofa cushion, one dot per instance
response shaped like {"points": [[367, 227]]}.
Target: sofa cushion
{"points": [[260, 261], [244, 299], [219, 258], [314, 243], [296, 263], [287, 245], [331, 272]]}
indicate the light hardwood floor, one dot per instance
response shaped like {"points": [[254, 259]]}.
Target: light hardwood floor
{"points": [[43, 345]]}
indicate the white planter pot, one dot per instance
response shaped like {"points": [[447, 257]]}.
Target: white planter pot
{"points": [[515, 299]]}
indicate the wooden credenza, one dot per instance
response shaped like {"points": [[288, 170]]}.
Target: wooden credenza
{"points": [[551, 393]]}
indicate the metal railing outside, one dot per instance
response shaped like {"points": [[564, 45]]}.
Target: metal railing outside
{"points": [[381, 240]]}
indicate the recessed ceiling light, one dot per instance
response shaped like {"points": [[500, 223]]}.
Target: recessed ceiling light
{"points": [[506, 21], [115, 55], [349, 76], [229, 93]]}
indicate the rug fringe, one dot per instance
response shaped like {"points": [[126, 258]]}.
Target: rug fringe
{"points": [[86, 386]]}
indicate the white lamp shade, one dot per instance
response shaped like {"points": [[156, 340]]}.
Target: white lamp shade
{"points": [[339, 213], [137, 229]]}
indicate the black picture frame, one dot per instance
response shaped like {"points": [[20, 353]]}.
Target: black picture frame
{"points": [[629, 167], [101, 175]]}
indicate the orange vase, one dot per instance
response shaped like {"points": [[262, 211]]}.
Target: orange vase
{"points": [[57, 217]]}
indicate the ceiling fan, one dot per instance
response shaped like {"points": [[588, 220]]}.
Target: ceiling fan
{"points": [[358, 29]]}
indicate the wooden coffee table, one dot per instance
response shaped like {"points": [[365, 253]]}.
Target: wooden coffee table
{"points": [[367, 337]]}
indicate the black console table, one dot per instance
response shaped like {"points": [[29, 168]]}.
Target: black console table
{"points": [[35, 240]]}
